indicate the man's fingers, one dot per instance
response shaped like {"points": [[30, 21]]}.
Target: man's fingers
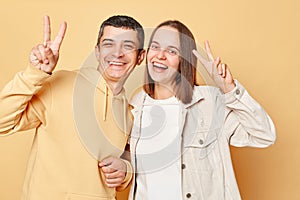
{"points": [[49, 56], [47, 30], [41, 50], [118, 180], [114, 179], [112, 185], [114, 174], [35, 55], [108, 169], [106, 162], [33, 59], [60, 36]]}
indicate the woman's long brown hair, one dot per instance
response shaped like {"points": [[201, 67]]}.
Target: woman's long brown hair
{"points": [[185, 79]]}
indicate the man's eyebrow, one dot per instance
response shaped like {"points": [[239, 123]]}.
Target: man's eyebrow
{"points": [[129, 41], [107, 40]]}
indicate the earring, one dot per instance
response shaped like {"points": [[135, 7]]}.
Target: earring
{"points": [[178, 78]]}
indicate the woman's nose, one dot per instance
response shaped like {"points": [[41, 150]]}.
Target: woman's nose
{"points": [[161, 54]]}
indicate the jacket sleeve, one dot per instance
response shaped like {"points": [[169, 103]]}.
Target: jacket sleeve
{"points": [[21, 109], [246, 123]]}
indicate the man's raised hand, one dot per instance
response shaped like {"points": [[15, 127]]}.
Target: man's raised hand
{"points": [[45, 56]]}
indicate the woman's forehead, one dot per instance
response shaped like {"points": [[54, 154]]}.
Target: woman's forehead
{"points": [[167, 35]]}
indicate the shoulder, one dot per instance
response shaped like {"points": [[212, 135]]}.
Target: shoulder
{"points": [[137, 97], [62, 75], [205, 91], [61, 80]]}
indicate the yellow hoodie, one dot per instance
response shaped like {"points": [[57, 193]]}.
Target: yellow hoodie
{"points": [[78, 121]]}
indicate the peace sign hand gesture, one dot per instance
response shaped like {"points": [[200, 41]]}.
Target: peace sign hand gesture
{"points": [[218, 71], [45, 56]]}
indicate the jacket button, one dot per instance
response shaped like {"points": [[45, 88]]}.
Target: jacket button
{"points": [[201, 141], [237, 92], [188, 195], [183, 166]]}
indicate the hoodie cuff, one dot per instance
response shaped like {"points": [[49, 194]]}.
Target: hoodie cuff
{"points": [[35, 76], [128, 177]]}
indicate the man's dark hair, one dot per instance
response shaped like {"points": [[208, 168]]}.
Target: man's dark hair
{"points": [[122, 21]]}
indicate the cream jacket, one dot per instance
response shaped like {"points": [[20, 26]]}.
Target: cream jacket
{"points": [[208, 125], [77, 122]]}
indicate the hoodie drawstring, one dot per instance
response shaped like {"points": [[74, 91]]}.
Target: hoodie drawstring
{"points": [[105, 102], [124, 115]]}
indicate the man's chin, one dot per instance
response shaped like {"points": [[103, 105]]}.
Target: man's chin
{"points": [[114, 78]]}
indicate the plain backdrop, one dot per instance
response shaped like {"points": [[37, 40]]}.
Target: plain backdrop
{"points": [[258, 39]]}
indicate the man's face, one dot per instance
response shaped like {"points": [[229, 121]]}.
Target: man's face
{"points": [[117, 53]]}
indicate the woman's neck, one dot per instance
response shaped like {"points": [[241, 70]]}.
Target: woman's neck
{"points": [[163, 92]]}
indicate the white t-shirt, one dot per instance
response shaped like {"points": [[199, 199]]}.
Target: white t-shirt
{"points": [[158, 151]]}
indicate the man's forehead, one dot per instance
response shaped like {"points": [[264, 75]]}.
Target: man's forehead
{"points": [[119, 33]]}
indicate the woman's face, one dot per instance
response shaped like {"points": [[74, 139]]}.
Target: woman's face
{"points": [[164, 55]]}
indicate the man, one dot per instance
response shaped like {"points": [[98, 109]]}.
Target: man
{"points": [[63, 162]]}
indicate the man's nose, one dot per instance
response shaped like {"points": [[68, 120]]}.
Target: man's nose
{"points": [[118, 51]]}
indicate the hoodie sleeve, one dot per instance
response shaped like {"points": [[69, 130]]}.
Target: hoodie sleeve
{"points": [[21, 109], [128, 177]]}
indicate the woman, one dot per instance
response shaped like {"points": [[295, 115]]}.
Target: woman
{"points": [[182, 132]]}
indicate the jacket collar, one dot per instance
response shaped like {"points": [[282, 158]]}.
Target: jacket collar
{"points": [[138, 100]]}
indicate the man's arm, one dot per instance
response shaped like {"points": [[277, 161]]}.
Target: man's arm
{"points": [[20, 108], [117, 172]]}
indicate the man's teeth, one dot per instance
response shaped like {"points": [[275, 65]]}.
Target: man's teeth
{"points": [[160, 65], [115, 63]]}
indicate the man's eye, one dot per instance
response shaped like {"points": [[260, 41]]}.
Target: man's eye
{"points": [[129, 47], [107, 44]]}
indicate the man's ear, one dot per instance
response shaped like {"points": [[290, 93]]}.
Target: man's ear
{"points": [[141, 57], [97, 52]]}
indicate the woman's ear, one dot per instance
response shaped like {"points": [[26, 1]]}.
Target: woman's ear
{"points": [[141, 57]]}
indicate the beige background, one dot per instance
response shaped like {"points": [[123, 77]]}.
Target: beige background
{"points": [[258, 39]]}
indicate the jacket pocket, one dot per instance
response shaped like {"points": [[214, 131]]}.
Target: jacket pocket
{"points": [[203, 142], [74, 196]]}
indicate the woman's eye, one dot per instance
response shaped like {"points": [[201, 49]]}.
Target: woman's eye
{"points": [[173, 52], [154, 47]]}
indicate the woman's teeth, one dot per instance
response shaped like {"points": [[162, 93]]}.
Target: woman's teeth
{"points": [[158, 65]]}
